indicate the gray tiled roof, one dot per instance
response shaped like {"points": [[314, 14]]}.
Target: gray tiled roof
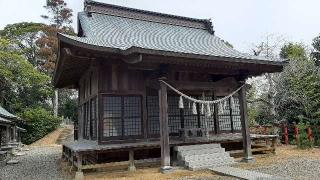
{"points": [[5, 113], [123, 33]]}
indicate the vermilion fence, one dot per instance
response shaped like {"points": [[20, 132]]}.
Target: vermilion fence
{"points": [[287, 133]]}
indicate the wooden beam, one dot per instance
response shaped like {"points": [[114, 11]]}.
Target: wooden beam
{"points": [[194, 85], [164, 128], [245, 126], [203, 86], [114, 77]]}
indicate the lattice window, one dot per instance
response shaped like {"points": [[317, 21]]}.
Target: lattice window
{"points": [[132, 116], [236, 115], [86, 121], [112, 123], [122, 116], [226, 115], [207, 122], [153, 115], [93, 130], [174, 118], [224, 118], [190, 119]]}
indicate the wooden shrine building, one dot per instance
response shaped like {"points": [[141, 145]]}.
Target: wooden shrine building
{"points": [[10, 133], [116, 61]]}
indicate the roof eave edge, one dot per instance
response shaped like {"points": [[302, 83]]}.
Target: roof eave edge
{"points": [[137, 50]]}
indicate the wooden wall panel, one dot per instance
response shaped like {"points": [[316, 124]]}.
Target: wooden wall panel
{"points": [[119, 78], [88, 84]]}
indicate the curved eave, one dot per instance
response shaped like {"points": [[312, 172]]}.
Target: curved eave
{"points": [[5, 121], [137, 50]]}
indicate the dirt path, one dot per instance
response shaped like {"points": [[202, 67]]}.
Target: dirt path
{"points": [[56, 137]]}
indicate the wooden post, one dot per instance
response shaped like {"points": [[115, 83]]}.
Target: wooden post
{"points": [[266, 132], [231, 117], [245, 126], [216, 117], [309, 131], [8, 136], [274, 144], [14, 133], [198, 115], [182, 118], [164, 129], [286, 135], [131, 167], [79, 173]]}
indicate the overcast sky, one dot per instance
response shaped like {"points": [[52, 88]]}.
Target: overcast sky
{"points": [[241, 22]]}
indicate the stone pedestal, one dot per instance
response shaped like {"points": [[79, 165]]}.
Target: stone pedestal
{"points": [[166, 169], [249, 159], [79, 175]]}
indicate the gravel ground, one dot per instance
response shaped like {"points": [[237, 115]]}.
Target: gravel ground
{"points": [[40, 163], [302, 168]]}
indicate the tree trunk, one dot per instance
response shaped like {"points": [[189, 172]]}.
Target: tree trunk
{"points": [[271, 95], [55, 103]]}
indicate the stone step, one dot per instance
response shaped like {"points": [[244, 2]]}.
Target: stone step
{"points": [[196, 157], [197, 147], [206, 166], [206, 157], [200, 152], [209, 161]]}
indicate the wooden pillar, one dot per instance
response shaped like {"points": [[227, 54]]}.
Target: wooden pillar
{"points": [[182, 118], [245, 126], [231, 117], [15, 133], [79, 174], [80, 122], [8, 135], [198, 115], [309, 132], [164, 128]]}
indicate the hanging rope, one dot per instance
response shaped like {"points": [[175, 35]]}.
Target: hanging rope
{"points": [[201, 101]]}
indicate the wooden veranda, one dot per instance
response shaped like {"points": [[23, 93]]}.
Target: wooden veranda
{"points": [[78, 151]]}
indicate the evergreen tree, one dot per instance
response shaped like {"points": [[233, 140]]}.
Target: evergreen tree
{"points": [[60, 17]]}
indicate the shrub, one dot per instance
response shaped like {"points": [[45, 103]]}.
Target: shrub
{"points": [[303, 141], [40, 122]]}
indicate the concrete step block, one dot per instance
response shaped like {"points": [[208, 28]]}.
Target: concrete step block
{"points": [[206, 166], [206, 156], [209, 161], [197, 147], [201, 151]]}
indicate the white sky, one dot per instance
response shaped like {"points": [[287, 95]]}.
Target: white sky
{"points": [[241, 22]]}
